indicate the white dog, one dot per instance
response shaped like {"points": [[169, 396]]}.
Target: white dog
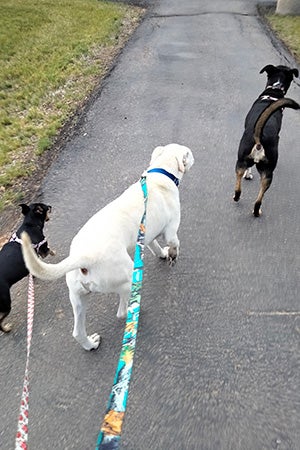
{"points": [[99, 259]]}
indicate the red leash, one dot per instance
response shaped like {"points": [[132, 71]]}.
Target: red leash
{"points": [[22, 432]]}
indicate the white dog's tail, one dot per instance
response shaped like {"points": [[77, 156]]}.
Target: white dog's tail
{"points": [[42, 270]]}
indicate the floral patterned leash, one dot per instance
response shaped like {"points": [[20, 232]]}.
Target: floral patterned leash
{"points": [[22, 431], [110, 433]]}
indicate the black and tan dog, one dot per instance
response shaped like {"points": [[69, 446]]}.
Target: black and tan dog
{"points": [[259, 143], [12, 267]]}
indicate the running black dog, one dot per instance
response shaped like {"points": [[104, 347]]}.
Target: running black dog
{"points": [[12, 267], [259, 143]]}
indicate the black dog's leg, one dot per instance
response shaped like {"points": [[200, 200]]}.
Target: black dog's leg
{"points": [[238, 185], [5, 302], [265, 183]]}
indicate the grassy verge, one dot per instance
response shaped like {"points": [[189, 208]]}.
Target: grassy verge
{"points": [[287, 29], [52, 55]]}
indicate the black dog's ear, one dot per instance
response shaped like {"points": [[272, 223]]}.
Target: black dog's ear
{"points": [[295, 72], [269, 69], [38, 209], [25, 208]]}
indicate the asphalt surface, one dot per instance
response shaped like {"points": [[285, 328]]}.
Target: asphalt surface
{"points": [[217, 358]]}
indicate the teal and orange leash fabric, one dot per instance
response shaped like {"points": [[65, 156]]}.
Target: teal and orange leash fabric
{"points": [[111, 428]]}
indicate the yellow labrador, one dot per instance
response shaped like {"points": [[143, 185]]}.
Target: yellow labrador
{"points": [[99, 259]]}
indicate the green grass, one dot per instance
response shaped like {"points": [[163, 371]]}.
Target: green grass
{"points": [[52, 55], [288, 30]]}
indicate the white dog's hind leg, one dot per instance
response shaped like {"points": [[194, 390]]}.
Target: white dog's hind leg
{"points": [[123, 305], [79, 331], [173, 244], [78, 302], [120, 271], [124, 293]]}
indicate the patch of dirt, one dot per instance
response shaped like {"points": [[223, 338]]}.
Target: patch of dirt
{"points": [[30, 187]]}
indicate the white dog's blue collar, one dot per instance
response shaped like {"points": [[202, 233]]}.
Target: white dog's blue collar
{"points": [[168, 174]]}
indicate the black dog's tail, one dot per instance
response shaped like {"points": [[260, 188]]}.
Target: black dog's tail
{"points": [[282, 103]]}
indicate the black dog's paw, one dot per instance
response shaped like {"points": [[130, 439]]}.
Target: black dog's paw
{"points": [[237, 196], [48, 252], [5, 328], [256, 213], [257, 209]]}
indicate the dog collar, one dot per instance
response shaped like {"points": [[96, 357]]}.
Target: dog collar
{"points": [[37, 246], [168, 174], [276, 85]]}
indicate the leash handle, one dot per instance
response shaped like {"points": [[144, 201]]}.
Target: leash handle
{"points": [[22, 430], [110, 432]]}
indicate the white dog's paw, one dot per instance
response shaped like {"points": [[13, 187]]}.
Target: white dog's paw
{"points": [[170, 254], [164, 253], [92, 342], [95, 340]]}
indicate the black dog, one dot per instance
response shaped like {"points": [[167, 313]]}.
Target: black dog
{"points": [[12, 267], [259, 143]]}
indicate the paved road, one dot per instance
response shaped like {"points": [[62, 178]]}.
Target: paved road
{"points": [[217, 361]]}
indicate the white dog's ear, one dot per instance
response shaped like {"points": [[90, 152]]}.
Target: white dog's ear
{"points": [[181, 163], [156, 153]]}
